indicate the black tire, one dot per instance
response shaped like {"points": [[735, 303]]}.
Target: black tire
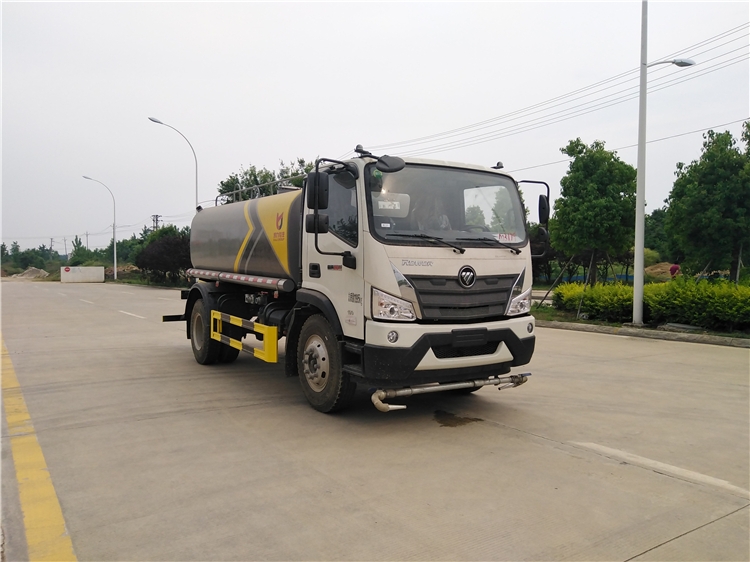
{"points": [[205, 350], [326, 387], [227, 354]]}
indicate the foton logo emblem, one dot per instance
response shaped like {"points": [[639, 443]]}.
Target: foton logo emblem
{"points": [[279, 220], [467, 276]]}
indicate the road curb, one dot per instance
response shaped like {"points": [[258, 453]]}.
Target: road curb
{"points": [[646, 333]]}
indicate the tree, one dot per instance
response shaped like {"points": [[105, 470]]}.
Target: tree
{"points": [[165, 254], [709, 205], [297, 168], [246, 179], [475, 216], [655, 236], [15, 251], [252, 177], [80, 254], [596, 211]]}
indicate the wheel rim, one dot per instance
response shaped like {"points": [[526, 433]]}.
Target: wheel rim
{"points": [[315, 363], [198, 331]]}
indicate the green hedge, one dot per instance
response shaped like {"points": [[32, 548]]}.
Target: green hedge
{"points": [[720, 305]]}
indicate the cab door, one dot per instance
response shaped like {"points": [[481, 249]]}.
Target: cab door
{"points": [[326, 273]]}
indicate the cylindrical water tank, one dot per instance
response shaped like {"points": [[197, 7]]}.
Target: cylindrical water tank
{"points": [[256, 237]]}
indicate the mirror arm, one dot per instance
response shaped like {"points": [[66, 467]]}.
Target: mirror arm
{"points": [[544, 183]]}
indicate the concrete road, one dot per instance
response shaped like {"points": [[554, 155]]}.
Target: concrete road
{"points": [[617, 448]]}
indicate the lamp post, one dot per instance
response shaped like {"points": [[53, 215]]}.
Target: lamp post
{"points": [[114, 221], [640, 193], [153, 119]]}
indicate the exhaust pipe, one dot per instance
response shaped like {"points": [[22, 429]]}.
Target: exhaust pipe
{"points": [[380, 395]]}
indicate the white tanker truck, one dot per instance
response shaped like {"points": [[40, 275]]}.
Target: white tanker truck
{"points": [[404, 276]]}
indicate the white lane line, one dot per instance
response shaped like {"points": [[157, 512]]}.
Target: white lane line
{"points": [[84, 300], [124, 293], [63, 294], [131, 314], [664, 468], [165, 299]]}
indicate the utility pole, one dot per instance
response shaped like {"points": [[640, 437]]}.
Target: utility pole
{"points": [[156, 218], [50, 243], [87, 240], [65, 241]]}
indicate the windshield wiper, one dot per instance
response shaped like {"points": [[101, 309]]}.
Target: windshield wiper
{"points": [[516, 251], [459, 249]]}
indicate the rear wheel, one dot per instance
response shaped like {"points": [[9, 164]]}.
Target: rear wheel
{"points": [[227, 354], [326, 387], [205, 350]]}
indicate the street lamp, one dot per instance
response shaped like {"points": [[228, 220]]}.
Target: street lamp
{"points": [[640, 193], [114, 220], [191, 148]]}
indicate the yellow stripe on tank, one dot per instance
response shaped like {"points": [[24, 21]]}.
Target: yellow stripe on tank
{"points": [[246, 240], [274, 218]]}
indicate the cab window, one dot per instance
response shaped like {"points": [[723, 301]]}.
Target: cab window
{"points": [[342, 208]]}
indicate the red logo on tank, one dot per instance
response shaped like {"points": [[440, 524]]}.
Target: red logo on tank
{"points": [[279, 220]]}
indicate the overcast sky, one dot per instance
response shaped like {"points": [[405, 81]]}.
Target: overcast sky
{"points": [[255, 83]]}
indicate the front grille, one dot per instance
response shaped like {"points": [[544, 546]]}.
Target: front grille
{"points": [[443, 298], [448, 351]]}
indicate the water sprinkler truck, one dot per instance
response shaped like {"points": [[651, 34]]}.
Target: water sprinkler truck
{"points": [[405, 276]]}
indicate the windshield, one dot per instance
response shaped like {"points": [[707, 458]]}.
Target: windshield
{"points": [[464, 207]]}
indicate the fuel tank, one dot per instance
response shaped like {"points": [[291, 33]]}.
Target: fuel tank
{"points": [[255, 237]]}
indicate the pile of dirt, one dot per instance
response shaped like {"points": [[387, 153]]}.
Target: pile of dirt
{"points": [[32, 273], [659, 271], [122, 270]]}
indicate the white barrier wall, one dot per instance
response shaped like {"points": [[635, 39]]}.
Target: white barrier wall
{"points": [[82, 274]]}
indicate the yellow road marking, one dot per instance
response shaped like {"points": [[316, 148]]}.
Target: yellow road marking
{"points": [[46, 535]]}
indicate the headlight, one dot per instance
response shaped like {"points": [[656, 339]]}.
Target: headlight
{"points": [[388, 307], [520, 303]]}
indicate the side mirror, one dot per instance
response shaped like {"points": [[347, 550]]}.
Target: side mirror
{"points": [[390, 164], [543, 209], [544, 241], [349, 261], [317, 190], [316, 223]]}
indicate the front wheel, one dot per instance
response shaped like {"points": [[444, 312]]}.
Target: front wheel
{"points": [[326, 387]]}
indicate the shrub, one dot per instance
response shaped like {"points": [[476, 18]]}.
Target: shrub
{"points": [[567, 295], [718, 305], [613, 303]]}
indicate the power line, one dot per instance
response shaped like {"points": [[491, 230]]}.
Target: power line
{"points": [[502, 117], [529, 126], [634, 145], [551, 103]]}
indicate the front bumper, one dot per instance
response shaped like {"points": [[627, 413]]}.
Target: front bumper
{"points": [[444, 353]]}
